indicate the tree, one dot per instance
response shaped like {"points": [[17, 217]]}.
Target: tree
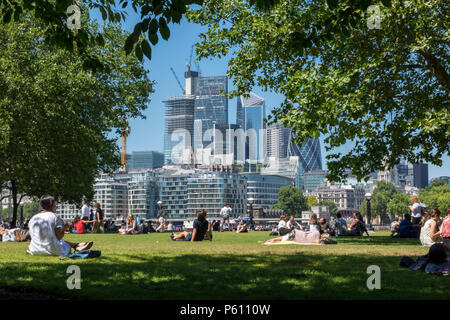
{"points": [[311, 201], [436, 183], [384, 88], [382, 194], [30, 209], [59, 123], [154, 17], [398, 206], [331, 205], [291, 200], [436, 197]]}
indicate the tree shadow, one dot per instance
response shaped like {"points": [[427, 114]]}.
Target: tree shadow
{"points": [[228, 276], [378, 240]]}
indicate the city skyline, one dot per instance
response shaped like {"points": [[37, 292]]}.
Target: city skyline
{"points": [[148, 134]]}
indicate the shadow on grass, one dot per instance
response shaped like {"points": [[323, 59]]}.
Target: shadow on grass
{"points": [[379, 241], [226, 276]]}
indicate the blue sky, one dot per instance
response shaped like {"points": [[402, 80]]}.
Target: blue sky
{"points": [[148, 134]]}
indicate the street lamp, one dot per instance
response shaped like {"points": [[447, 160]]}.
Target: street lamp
{"points": [[21, 213], [250, 215], [368, 196]]}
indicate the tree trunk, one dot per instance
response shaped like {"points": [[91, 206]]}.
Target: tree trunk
{"points": [[15, 204]]}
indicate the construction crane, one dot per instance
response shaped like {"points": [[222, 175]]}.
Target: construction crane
{"points": [[176, 78], [188, 64], [124, 145]]}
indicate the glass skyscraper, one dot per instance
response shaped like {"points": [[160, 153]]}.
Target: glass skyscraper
{"points": [[250, 114], [179, 128], [211, 107]]}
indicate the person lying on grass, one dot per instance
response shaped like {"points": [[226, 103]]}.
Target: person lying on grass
{"points": [[201, 228], [299, 236], [47, 231]]}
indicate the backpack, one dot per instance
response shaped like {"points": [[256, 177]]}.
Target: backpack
{"points": [[85, 254], [445, 227]]}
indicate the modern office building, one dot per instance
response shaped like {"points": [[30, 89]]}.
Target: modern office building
{"points": [[286, 167], [262, 190], [179, 129], [144, 160], [143, 193], [172, 181], [278, 140], [250, 115], [211, 107], [420, 175], [112, 194], [309, 154], [312, 179], [67, 211], [211, 190]]}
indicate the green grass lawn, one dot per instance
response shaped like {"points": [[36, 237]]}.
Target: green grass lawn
{"points": [[233, 266]]}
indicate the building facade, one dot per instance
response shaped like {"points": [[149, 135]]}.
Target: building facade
{"points": [[139, 160], [211, 190], [251, 112], [262, 190], [179, 129], [344, 196]]}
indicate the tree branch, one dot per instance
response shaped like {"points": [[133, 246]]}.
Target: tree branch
{"points": [[436, 68]]}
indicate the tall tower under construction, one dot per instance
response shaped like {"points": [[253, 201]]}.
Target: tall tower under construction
{"points": [[179, 122]]}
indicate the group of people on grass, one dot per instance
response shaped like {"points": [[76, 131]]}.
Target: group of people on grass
{"points": [[318, 229], [46, 230]]}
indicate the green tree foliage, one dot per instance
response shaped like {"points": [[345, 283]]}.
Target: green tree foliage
{"points": [[382, 194], [30, 209], [436, 183], [398, 206], [291, 200], [59, 123], [154, 17], [386, 89], [311, 201], [331, 205], [436, 197]]}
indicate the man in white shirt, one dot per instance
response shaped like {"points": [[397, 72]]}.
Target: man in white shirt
{"points": [[84, 210], [225, 212], [416, 210], [47, 231]]}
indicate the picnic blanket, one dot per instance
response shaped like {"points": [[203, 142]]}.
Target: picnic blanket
{"points": [[285, 242]]}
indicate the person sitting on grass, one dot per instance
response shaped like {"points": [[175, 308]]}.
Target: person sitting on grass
{"points": [[282, 226], [242, 227], [78, 225], [340, 225], [325, 226], [130, 226], [357, 227], [47, 231], [395, 226], [314, 223], [429, 233], [292, 223], [201, 227], [406, 229]]}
